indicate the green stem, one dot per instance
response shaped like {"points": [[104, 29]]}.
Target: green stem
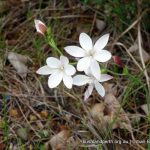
{"points": [[73, 63], [51, 42], [119, 74], [56, 48]]}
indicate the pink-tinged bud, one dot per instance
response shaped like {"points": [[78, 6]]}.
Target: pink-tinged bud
{"points": [[40, 27], [118, 61]]}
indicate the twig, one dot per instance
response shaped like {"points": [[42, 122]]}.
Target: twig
{"points": [[142, 58], [130, 27], [27, 119], [93, 22], [69, 16], [134, 60]]}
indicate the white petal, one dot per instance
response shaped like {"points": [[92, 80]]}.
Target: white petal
{"points": [[102, 56], [69, 70], [85, 41], [95, 69], [64, 60], [53, 62], [55, 79], [40, 26], [67, 81], [88, 92], [45, 70], [105, 77], [101, 42], [88, 72], [83, 63], [80, 80], [75, 51], [99, 88]]}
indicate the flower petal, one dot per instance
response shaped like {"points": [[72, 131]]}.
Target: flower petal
{"points": [[83, 63], [75, 51], [55, 79], [40, 26], [88, 72], [85, 41], [67, 81], [64, 60], [95, 69], [105, 77], [99, 88], [53, 62], [101, 42], [102, 56], [80, 80], [45, 70], [69, 70], [88, 92]]}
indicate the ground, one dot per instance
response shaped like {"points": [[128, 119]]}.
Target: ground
{"points": [[35, 117]]}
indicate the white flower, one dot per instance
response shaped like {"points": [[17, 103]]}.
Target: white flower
{"points": [[59, 70], [40, 26], [80, 80], [90, 53]]}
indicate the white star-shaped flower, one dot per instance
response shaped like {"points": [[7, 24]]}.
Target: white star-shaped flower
{"points": [[80, 80], [59, 70], [90, 53]]}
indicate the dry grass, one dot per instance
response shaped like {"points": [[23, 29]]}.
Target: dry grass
{"points": [[28, 103]]}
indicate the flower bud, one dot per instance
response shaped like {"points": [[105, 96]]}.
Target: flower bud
{"points": [[40, 26]]}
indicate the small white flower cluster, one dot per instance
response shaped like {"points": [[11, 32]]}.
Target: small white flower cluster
{"points": [[89, 54]]}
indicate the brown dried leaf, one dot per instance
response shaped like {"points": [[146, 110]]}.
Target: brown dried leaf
{"points": [[100, 25], [112, 102], [32, 117], [117, 112], [18, 62], [97, 111], [14, 112], [146, 56], [110, 88], [98, 114], [74, 143], [44, 114], [144, 107], [110, 111], [59, 140], [134, 48]]}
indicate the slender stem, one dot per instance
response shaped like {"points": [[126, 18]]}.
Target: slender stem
{"points": [[51, 42], [56, 48], [73, 63]]}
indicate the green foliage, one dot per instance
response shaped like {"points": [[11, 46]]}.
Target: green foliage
{"points": [[136, 90], [51, 41], [118, 13]]}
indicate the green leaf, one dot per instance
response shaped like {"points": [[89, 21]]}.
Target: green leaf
{"points": [[125, 70]]}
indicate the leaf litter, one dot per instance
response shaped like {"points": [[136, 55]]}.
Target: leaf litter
{"points": [[30, 91]]}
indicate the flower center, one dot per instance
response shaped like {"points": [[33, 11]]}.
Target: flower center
{"points": [[91, 52], [62, 67]]}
